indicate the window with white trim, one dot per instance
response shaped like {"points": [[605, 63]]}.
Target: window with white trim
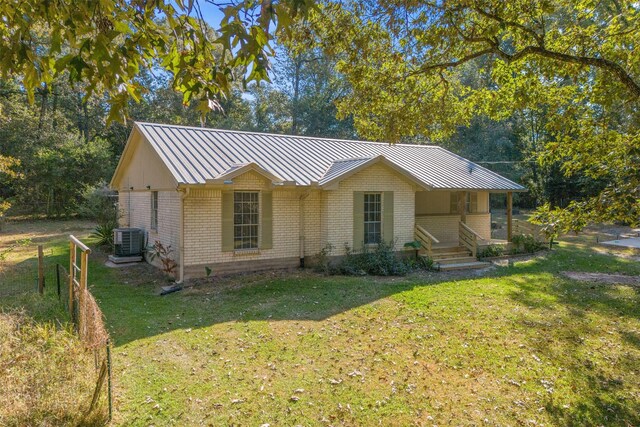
{"points": [[372, 218], [154, 210], [246, 219]]}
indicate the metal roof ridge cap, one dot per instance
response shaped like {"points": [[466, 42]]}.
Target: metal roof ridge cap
{"points": [[351, 159]]}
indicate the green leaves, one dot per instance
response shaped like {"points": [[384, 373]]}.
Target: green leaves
{"points": [[420, 70], [105, 44]]}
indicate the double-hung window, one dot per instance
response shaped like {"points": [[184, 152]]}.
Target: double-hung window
{"points": [[154, 210], [372, 218], [246, 219]]}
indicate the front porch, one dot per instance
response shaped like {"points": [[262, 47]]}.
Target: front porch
{"points": [[454, 228]]}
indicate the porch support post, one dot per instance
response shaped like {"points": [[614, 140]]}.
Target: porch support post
{"points": [[462, 206], [509, 215]]}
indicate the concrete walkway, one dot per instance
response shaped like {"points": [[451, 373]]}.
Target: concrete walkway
{"points": [[633, 243]]}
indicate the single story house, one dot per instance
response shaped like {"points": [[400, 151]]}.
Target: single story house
{"points": [[234, 201]]}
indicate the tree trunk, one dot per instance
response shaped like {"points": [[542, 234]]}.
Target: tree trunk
{"points": [[296, 95], [43, 108], [54, 107], [85, 111]]}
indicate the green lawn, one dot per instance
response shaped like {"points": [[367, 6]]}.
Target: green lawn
{"points": [[521, 346]]}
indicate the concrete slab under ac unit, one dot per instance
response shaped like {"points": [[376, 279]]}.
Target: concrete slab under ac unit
{"points": [[122, 261]]}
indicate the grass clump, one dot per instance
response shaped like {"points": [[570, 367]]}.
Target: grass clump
{"points": [[45, 373], [47, 377]]}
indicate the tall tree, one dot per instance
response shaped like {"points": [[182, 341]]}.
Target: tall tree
{"points": [[52, 160], [578, 62], [309, 78]]}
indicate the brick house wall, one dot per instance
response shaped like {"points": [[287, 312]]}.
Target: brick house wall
{"points": [[203, 230], [338, 209], [135, 207], [322, 216]]}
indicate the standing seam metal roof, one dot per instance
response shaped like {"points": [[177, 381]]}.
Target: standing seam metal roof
{"points": [[195, 155]]}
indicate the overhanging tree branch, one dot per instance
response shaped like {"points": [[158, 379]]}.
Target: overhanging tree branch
{"points": [[602, 63], [538, 37], [452, 64]]}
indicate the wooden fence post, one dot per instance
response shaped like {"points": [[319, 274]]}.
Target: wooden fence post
{"points": [[72, 261], [40, 270], [84, 266], [509, 215], [58, 279]]}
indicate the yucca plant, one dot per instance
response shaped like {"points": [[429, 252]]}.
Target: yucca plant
{"points": [[104, 233]]}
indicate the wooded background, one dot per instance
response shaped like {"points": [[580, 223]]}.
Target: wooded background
{"points": [[543, 92]]}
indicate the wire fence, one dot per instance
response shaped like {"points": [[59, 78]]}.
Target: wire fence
{"points": [[17, 278], [37, 274], [88, 320]]}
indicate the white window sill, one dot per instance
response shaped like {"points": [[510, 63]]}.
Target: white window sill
{"points": [[240, 252]]}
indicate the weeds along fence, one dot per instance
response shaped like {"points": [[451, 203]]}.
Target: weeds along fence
{"points": [[68, 283], [88, 320]]}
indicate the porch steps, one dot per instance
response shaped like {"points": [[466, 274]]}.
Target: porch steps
{"points": [[444, 255], [455, 258], [464, 266]]}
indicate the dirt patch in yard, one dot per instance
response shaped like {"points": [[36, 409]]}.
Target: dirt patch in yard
{"points": [[609, 279]]}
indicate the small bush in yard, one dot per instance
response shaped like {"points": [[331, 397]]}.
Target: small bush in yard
{"points": [[526, 243], [379, 261], [428, 264], [421, 263], [323, 263], [168, 264], [491, 251]]}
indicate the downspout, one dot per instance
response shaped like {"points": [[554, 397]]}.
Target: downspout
{"points": [[301, 226], [129, 203], [184, 192]]}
